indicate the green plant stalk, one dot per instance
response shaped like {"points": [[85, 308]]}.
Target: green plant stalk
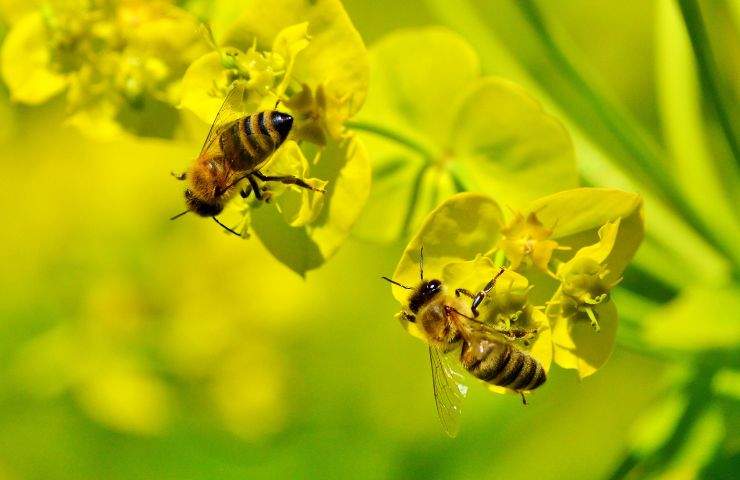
{"points": [[393, 136], [417, 147], [616, 122], [619, 126], [692, 17]]}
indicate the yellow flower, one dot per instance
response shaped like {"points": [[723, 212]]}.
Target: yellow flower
{"points": [[582, 315], [119, 62], [467, 226], [528, 240], [308, 59]]}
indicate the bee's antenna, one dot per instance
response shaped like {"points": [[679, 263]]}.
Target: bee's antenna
{"points": [[396, 283], [225, 227], [277, 102], [421, 262], [179, 215]]}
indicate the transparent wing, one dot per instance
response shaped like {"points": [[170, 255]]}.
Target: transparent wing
{"points": [[232, 109], [470, 327], [449, 390]]}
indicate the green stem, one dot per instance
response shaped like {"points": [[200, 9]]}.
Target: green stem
{"points": [[391, 135], [644, 159], [708, 70], [647, 161], [415, 191]]}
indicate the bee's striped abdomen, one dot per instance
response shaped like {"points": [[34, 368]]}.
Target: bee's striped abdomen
{"points": [[502, 364], [249, 141]]}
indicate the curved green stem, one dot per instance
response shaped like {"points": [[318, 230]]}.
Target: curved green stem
{"points": [[620, 127], [391, 135], [642, 157], [415, 191], [692, 17]]}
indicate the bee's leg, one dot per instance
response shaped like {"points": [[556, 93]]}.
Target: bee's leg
{"points": [[179, 176], [408, 317], [524, 398], [486, 290], [254, 187], [464, 291], [287, 179]]}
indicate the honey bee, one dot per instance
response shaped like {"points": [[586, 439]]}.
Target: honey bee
{"points": [[485, 352], [236, 148]]}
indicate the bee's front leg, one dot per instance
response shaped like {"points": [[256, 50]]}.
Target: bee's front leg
{"points": [[180, 176]]}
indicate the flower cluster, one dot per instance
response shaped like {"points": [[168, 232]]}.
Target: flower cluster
{"points": [[308, 60], [566, 316], [119, 61]]}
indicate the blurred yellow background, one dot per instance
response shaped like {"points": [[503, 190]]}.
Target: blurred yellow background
{"points": [[136, 347]]}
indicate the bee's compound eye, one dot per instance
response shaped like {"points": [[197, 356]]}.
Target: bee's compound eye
{"points": [[435, 285]]}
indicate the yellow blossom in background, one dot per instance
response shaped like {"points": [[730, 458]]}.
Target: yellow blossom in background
{"points": [[119, 62]]}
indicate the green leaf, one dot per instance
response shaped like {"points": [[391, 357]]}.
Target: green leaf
{"points": [[461, 228], [456, 131], [335, 56], [655, 426], [696, 169], [345, 167], [699, 447], [699, 319], [510, 146], [26, 64], [727, 382], [403, 97]]}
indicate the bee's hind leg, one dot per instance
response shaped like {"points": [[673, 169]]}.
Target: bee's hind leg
{"points": [[287, 179], [253, 187]]}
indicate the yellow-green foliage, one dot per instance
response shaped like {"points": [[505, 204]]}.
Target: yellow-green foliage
{"points": [[134, 347]]}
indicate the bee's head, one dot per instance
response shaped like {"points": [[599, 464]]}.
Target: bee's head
{"points": [[424, 293], [202, 208]]}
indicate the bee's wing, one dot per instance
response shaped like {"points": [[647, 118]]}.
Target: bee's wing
{"points": [[449, 390], [471, 328], [231, 110]]}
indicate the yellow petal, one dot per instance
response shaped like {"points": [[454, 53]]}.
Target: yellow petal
{"points": [[578, 346], [25, 62], [517, 151], [462, 227]]}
